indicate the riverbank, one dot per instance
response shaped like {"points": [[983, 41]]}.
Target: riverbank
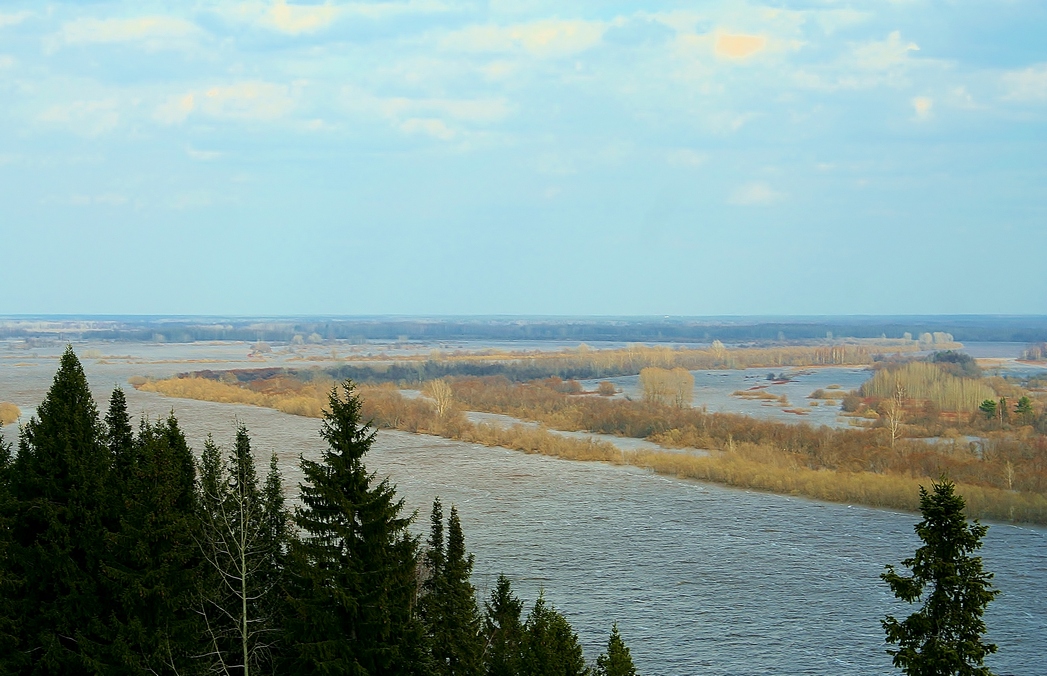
{"points": [[743, 464]]}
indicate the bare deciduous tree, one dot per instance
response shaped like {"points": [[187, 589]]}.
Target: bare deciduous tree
{"points": [[242, 543], [440, 392]]}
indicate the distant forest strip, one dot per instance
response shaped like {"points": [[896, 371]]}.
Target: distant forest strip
{"points": [[1023, 329], [1009, 481]]}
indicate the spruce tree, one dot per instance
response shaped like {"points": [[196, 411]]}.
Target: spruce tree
{"points": [[503, 630], [154, 560], [355, 562], [9, 582], [449, 608], [550, 646], [944, 637], [617, 661], [61, 502], [276, 525]]}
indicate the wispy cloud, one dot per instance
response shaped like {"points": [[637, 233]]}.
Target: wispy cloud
{"points": [[85, 118], [549, 38], [302, 19], [738, 46], [204, 155], [1029, 84], [883, 54], [14, 18], [246, 100], [756, 194], [686, 157], [154, 32], [436, 117], [923, 107]]}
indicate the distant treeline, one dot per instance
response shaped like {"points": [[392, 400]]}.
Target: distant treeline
{"points": [[1028, 329], [579, 364], [121, 553]]}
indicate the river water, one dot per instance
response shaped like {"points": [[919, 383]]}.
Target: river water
{"points": [[701, 579]]}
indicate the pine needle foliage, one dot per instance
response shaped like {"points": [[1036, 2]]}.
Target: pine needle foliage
{"points": [[944, 637], [355, 562], [503, 630], [550, 646], [617, 661], [448, 607], [59, 482], [153, 559]]}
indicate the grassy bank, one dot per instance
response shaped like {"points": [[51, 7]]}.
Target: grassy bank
{"points": [[762, 462]]}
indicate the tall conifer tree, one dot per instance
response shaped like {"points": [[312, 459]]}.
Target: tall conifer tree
{"points": [[550, 646], [355, 561], [943, 637], [503, 630], [449, 608], [59, 481], [9, 582], [154, 563], [617, 661]]}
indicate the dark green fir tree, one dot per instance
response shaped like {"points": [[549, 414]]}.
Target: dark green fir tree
{"points": [[448, 608], [617, 661], [503, 631], [154, 560], [9, 582], [60, 484], [355, 562], [944, 637], [550, 646]]}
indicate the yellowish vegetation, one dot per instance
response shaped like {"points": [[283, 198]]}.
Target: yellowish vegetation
{"points": [[924, 381], [8, 413], [664, 386], [764, 467], [304, 403]]}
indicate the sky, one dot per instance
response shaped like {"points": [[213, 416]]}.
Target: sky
{"points": [[523, 157]]}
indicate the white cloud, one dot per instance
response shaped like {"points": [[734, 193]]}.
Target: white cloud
{"points": [[108, 199], [1029, 84], [300, 19], [297, 19], [6, 61], [428, 115], [247, 100], [883, 54], [175, 109], [548, 38], [923, 106], [430, 126], [834, 19], [155, 32], [87, 118], [738, 46], [685, 157], [251, 100], [757, 193], [13, 19], [203, 155]]}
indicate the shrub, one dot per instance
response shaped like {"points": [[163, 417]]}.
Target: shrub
{"points": [[8, 413]]}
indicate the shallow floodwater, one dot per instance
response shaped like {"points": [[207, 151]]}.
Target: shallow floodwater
{"points": [[714, 390], [701, 579]]}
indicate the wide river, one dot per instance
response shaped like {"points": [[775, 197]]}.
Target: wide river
{"points": [[701, 579]]}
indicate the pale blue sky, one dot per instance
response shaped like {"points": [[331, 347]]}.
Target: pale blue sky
{"points": [[526, 157]]}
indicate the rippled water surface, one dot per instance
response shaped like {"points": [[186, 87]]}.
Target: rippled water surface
{"points": [[701, 579]]}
